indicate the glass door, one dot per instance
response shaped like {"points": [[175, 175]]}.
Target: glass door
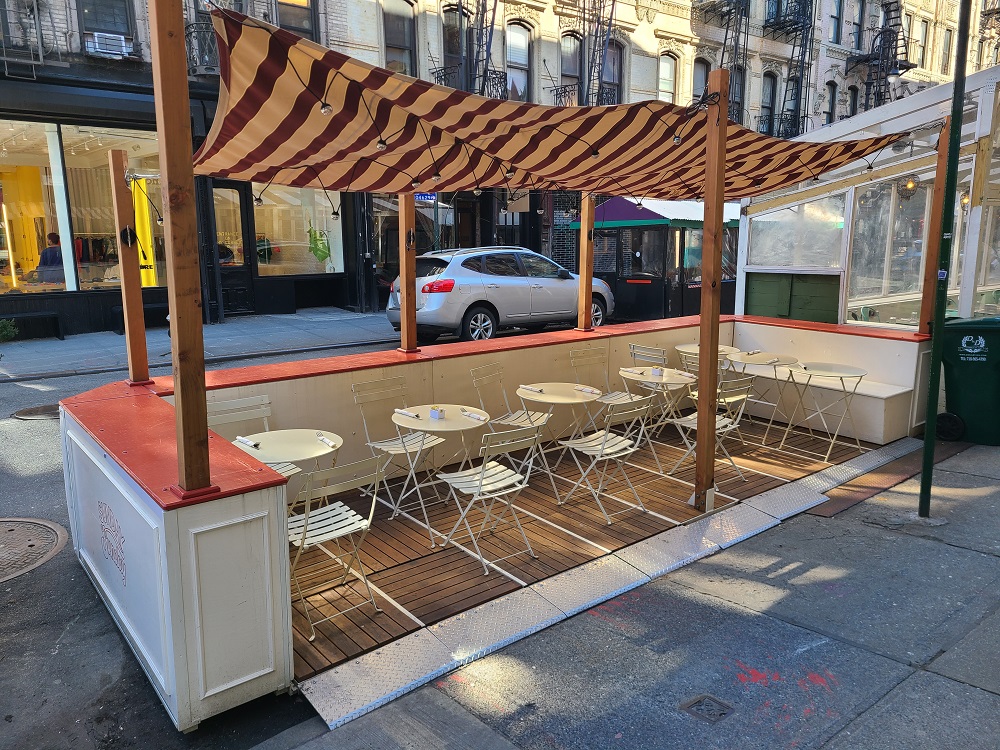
{"points": [[233, 254]]}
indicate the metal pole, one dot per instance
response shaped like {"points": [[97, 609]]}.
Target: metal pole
{"points": [[947, 227]]}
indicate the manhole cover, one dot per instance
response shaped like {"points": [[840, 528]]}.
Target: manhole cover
{"points": [[26, 543], [707, 708], [49, 411]]}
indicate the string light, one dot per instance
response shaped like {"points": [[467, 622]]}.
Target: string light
{"points": [[477, 191], [415, 184], [510, 174], [335, 214], [436, 177], [677, 140], [381, 145], [159, 220], [326, 109], [258, 201]]}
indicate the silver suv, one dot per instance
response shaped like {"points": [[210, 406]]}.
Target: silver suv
{"points": [[475, 292]]}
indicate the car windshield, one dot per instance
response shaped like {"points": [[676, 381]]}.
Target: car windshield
{"points": [[430, 266]]}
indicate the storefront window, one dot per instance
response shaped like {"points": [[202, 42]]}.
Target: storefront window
{"points": [[88, 182], [809, 235], [296, 231], [36, 249]]}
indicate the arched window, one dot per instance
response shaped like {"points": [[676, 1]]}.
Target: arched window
{"points": [[853, 97], [700, 78], [830, 113], [667, 86], [768, 99], [518, 63], [571, 69], [611, 80], [400, 37], [457, 46]]}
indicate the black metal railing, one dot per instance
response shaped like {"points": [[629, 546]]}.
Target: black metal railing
{"points": [[450, 76], [202, 49], [787, 14], [568, 95], [21, 33], [608, 95], [495, 85]]}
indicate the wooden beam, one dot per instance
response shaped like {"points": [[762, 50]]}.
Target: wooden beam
{"points": [[407, 273], [585, 296], [128, 263], [173, 126], [711, 288], [932, 250]]}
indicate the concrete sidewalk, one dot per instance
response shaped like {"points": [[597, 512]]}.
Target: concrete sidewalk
{"points": [[315, 329]]}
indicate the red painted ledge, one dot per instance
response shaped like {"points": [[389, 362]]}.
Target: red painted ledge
{"points": [[871, 332]]}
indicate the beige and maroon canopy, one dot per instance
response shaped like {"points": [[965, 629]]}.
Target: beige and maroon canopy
{"points": [[294, 113]]}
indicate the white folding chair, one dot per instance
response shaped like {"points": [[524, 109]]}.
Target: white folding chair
{"points": [[498, 479], [689, 362], [488, 382], [732, 400], [604, 446], [248, 409], [377, 399], [591, 366], [316, 521]]}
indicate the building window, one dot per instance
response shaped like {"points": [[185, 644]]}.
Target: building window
{"points": [[668, 78], [611, 77], [768, 97], [737, 87], [830, 113], [836, 21], [571, 68], [921, 42], [297, 16], [908, 32], [518, 63], [400, 37], [853, 97], [295, 232], [980, 53], [858, 24], [699, 81], [107, 28], [946, 52]]}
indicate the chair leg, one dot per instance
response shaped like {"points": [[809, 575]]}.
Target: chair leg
{"points": [[718, 443]]}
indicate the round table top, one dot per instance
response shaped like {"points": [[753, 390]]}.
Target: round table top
{"points": [[669, 376], [762, 358], [831, 370], [454, 420], [557, 393], [290, 446], [693, 349]]}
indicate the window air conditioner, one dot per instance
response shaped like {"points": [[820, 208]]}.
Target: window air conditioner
{"points": [[108, 45]]}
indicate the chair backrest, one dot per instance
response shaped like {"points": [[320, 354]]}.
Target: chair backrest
{"points": [[377, 399], [689, 361], [500, 444], [733, 396], [366, 474], [488, 382], [648, 355], [590, 367], [627, 412], [247, 409]]}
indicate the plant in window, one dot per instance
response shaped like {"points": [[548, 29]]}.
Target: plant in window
{"points": [[319, 244], [7, 330]]}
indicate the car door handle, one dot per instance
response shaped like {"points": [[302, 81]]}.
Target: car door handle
{"points": [[492, 286], [536, 286]]}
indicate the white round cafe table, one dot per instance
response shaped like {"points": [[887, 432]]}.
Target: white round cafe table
{"points": [[557, 394], [645, 375], [290, 446], [847, 377], [454, 420], [767, 391], [762, 358], [693, 349]]}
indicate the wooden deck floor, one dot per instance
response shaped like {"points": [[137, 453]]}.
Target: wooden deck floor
{"points": [[416, 585]]}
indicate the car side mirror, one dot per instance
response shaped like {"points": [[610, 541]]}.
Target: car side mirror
{"points": [[564, 274]]}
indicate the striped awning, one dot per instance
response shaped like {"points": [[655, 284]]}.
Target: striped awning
{"points": [[294, 113]]}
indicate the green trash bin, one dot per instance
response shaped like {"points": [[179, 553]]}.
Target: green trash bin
{"points": [[972, 379]]}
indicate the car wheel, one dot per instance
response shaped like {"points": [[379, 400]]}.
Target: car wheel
{"points": [[479, 324], [597, 313]]}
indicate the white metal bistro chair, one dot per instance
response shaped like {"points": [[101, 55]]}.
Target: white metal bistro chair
{"points": [[604, 446], [499, 479], [315, 520], [488, 382], [377, 399], [247, 409], [732, 400], [591, 366]]}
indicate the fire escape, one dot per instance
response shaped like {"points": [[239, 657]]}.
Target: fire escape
{"points": [[734, 16], [791, 21], [202, 48], [23, 45], [887, 55], [596, 19], [474, 72]]}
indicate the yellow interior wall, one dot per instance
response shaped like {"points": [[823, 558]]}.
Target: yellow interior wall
{"points": [[22, 195]]}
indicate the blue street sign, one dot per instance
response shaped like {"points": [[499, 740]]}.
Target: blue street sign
{"points": [[425, 197]]}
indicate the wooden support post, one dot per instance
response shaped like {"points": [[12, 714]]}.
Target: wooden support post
{"points": [[932, 250], [173, 126], [711, 288], [407, 273], [128, 262], [585, 296]]}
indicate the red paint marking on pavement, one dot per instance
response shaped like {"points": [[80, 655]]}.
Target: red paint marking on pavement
{"points": [[754, 676], [816, 679]]}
